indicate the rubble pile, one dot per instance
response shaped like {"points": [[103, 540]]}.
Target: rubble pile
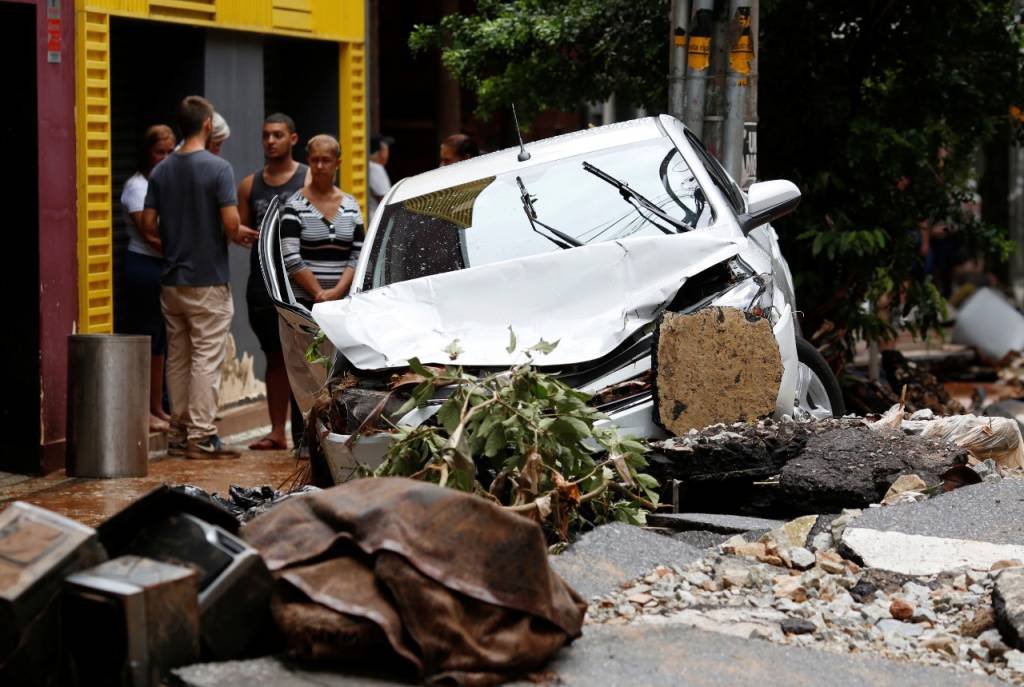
{"points": [[803, 595], [827, 465]]}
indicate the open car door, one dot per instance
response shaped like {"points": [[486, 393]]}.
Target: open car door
{"points": [[296, 324]]}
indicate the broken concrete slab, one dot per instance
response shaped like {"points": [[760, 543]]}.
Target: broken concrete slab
{"points": [[602, 559], [714, 365], [646, 654], [1008, 604], [714, 522], [854, 467], [824, 466], [725, 452], [974, 526]]}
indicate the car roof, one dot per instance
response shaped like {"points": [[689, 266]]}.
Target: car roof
{"points": [[541, 152]]}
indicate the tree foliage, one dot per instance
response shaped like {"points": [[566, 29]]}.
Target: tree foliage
{"points": [[876, 109], [526, 441], [554, 54]]}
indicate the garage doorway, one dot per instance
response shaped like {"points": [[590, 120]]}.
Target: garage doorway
{"points": [[153, 65]]}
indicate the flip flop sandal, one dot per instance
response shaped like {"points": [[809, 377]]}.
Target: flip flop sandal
{"points": [[267, 444]]}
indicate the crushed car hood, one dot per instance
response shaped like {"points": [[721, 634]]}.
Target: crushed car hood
{"points": [[588, 299]]}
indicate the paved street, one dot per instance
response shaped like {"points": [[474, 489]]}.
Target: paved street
{"points": [[639, 656]]}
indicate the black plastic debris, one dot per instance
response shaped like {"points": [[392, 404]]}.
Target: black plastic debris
{"points": [[244, 503]]}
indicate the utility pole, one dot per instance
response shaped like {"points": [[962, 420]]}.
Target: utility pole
{"points": [[698, 62], [739, 140], [677, 58]]}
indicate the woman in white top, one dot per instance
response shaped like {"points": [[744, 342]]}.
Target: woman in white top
{"points": [[143, 267]]}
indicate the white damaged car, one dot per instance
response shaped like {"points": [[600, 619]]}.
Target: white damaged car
{"points": [[587, 241]]}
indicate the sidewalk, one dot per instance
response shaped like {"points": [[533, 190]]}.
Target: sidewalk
{"points": [[91, 501]]}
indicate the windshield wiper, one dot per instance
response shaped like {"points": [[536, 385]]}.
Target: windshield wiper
{"points": [[637, 199], [531, 214]]}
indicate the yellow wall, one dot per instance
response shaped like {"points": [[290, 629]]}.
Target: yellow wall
{"points": [[341, 21], [337, 20], [353, 125], [92, 113]]}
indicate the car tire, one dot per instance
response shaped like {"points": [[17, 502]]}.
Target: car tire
{"points": [[819, 370]]}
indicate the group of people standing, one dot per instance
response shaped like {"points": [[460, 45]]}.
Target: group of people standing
{"points": [[182, 208]]}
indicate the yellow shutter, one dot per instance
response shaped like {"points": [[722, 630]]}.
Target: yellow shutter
{"points": [[353, 121], [95, 259]]}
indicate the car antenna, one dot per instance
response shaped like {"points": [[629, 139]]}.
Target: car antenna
{"points": [[523, 154]]}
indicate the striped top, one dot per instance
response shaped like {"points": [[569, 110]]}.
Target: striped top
{"points": [[310, 242]]}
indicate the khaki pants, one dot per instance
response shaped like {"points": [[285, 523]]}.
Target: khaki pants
{"points": [[198, 319]]}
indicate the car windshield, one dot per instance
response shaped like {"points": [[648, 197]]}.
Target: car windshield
{"points": [[548, 207]]}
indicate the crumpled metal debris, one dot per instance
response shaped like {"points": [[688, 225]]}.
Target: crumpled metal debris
{"points": [[457, 588]]}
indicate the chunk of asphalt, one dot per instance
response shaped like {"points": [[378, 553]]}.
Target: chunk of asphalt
{"points": [[714, 522], [602, 559], [973, 527], [1008, 604]]}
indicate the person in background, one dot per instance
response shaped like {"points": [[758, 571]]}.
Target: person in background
{"points": [[143, 267], [379, 182], [280, 177], [191, 211], [456, 148], [221, 132], [321, 229]]}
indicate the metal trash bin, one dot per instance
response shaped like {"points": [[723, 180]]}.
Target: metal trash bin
{"points": [[108, 405]]}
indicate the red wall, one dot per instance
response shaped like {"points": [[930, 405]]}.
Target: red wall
{"points": [[58, 235]]}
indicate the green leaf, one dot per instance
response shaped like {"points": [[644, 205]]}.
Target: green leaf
{"points": [[416, 366], [313, 354], [449, 415], [495, 441], [511, 341]]}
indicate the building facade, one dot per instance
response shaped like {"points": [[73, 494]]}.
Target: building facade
{"points": [[89, 77]]}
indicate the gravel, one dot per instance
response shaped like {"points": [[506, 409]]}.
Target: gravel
{"points": [[834, 605]]}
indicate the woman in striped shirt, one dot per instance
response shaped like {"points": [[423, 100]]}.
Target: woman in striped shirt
{"points": [[321, 229]]}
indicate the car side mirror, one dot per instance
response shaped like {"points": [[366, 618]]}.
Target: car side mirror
{"points": [[767, 201]]}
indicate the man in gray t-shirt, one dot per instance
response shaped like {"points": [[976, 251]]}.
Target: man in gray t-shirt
{"points": [[191, 212], [188, 190]]}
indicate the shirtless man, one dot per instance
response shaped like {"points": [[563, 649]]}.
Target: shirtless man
{"points": [[280, 177]]}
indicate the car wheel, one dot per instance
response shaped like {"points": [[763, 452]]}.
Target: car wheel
{"points": [[818, 395]]}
